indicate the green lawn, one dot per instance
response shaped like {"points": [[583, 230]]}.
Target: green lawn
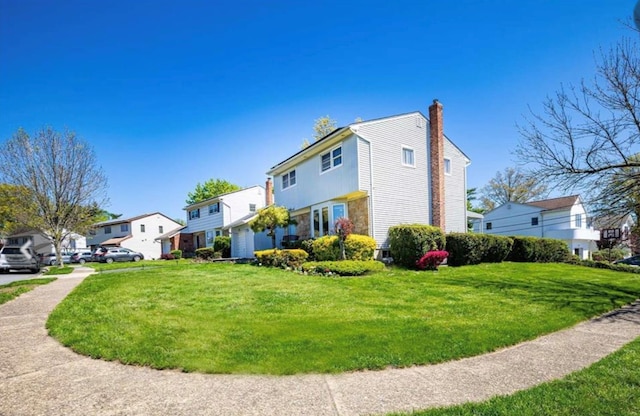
{"points": [[55, 270], [143, 264], [13, 290], [609, 387], [223, 318]]}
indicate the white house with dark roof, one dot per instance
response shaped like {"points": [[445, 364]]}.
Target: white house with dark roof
{"points": [[564, 218], [138, 233], [379, 173]]}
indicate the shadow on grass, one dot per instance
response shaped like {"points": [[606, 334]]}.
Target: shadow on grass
{"points": [[586, 298]]}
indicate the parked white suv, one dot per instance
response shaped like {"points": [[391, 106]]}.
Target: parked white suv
{"points": [[13, 258]]}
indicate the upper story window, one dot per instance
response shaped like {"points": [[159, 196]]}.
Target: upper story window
{"points": [[92, 232], [142, 228], [534, 221], [289, 179], [107, 230], [194, 213], [124, 228], [578, 220], [252, 207], [331, 159], [408, 157], [214, 208], [447, 166], [160, 229]]}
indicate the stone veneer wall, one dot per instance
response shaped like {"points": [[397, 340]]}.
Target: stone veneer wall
{"points": [[358, 212]]}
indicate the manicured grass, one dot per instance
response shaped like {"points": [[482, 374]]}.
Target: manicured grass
{"points": [[609, 387], [223, 318], [14, 289], [143, 264], [55, 270]]}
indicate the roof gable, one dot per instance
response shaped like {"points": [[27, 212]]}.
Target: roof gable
{"points": [[563, 202]]}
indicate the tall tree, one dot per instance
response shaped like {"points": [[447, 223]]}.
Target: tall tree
{"points": [[513, 185], [587, 135], [15, 208], [323, 126], [270, 219], [64, 182], [210, 189]]}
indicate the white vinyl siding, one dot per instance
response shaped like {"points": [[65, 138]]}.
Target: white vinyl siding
{"points": [[455, 189]]}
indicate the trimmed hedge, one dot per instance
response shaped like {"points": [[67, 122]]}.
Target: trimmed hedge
{"points": [[205, 253], [292, 258], [608, 255], [307, 245], [605, 265], [177, 254], [409, 242], [540, 250], [343, 268], [222, 244], [356, 247], [466, 248]]}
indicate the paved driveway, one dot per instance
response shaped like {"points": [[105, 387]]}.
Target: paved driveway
{"points": [[14, 276]]}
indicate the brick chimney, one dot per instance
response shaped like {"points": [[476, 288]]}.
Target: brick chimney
{"points": [[268, 197], [436, 133]]}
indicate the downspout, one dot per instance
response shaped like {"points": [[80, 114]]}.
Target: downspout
{"points": [[371, 203]]}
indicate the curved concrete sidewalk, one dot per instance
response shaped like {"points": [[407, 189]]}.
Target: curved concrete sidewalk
{"points": [[40, 377]]}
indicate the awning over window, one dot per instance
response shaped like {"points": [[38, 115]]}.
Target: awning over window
{"points": [[114, 241]]}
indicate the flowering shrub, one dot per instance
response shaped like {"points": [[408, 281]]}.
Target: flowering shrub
{"points": [[342, 267], [432, 259], [288, 258]]}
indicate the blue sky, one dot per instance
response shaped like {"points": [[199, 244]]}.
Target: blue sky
{"points": [[172, 93]]}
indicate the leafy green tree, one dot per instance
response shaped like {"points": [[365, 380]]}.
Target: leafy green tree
{"points": [[511, 186], [271, 218], [324, 125], [64, 181], [210, 189], [15, 208]]}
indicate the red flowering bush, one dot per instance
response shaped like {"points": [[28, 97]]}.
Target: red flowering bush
{"points": [[432, 259]]}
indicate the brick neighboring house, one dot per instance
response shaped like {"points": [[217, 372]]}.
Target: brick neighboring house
{"points": [[138, 233], [378, 173]]}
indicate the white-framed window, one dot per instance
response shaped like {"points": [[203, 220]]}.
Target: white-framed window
{"points": [[408, 157], [214, 208], [447, 166], [252, 207], [209, 238], [142, 228], [107, 230], [194, 213], [578, 220], [160, 229], [331, 159], [289, 179], [124, 228]]}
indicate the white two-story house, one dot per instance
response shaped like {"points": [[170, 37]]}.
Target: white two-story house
{"points": [[137, 233], [211, 218], [563, 218], [379, 173]]}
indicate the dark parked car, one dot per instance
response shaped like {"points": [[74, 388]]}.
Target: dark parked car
{"points": [[14, 258], [111, 254], [630, 261], [81, 257]]}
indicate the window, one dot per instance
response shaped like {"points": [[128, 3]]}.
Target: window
{"points": [[92, 232], [214, 208], [160, 229], [578, 220], [195, 213], [408, 158], [218, 233], [325, 220], [316, 223], [338, 212], [107, 230], [534, 221], [447, 166], [142, 229], [252, 207], [124, 228], [209, 238], [489, 226], [289, 179], [331, 159]]}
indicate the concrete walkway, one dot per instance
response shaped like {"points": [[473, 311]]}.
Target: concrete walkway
{"points": [[40, 377]]}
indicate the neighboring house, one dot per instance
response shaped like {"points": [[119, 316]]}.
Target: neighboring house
{"points": [[137, 233], [244, 241], [42, 244], [624, 223], [563, 218], [379, 173], [212, 218]]}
